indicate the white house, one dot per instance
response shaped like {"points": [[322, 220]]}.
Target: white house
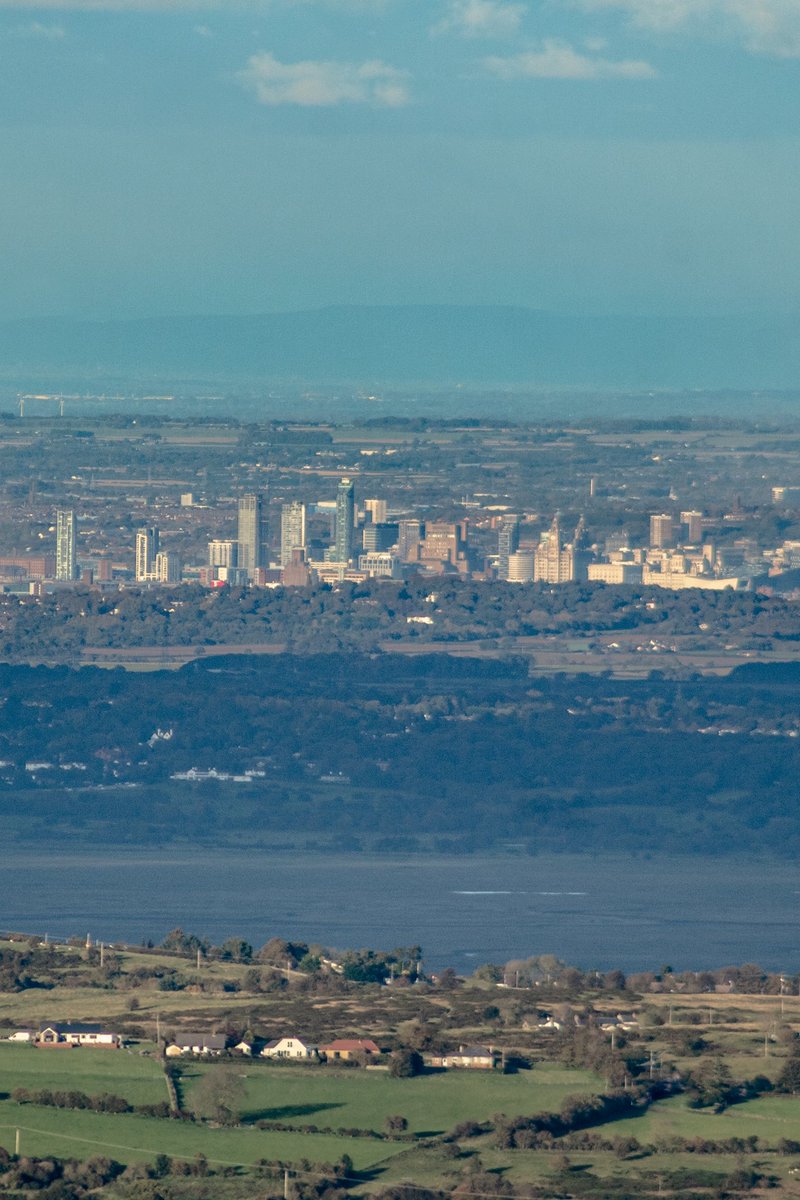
{"points": [[289, 1047], [74, 1034], [196, 1043]]}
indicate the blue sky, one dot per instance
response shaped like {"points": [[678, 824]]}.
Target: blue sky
{"points": [[163, 157]]}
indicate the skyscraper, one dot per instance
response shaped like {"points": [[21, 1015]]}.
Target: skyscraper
{"points": [[662, 530], [345, 514], [293, 530], [146, 551], [251, 533], [507, 542], [66, 538]]}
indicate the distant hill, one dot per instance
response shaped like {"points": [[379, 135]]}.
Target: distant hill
{"points": [[435, 345]]}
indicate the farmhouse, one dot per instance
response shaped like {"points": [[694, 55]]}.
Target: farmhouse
{"points": [[74, 1034], [289, 1047]]}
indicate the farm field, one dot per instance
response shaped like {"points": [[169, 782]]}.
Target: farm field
{"points": [[131, 1138], [138, 1078], [769, 1118], [432, 1104]]}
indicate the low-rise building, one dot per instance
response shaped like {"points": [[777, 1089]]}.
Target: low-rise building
{"points": [[350, 1049], [74, 1034], [475, 1058], [289, 1047]]}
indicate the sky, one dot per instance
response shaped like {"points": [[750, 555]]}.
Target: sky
{"points": [[163, 157]]}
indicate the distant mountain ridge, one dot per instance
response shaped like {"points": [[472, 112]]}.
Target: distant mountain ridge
{"points": [[433, 344]]}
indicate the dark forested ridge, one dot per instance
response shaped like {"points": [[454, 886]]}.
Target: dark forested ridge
{"points": [[381, 752]]}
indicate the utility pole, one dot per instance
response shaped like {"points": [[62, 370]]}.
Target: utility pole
{"points": [[16, 1144], [198, 958], [285, 1184], [158, 1029], [102, 953]]}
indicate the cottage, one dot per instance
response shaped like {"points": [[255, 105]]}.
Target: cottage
{"points": [[74, 1034], [289, 1047], [475, 1058], [196, 1043], [350, 1049]]}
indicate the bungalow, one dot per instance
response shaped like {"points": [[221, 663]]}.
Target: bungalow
{"points": [[74, 1034], [289, 1047], [196, 1043], [475, 1058], [350, 1049]]}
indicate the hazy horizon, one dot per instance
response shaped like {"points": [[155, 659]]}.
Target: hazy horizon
{"points": [[591, 157]]}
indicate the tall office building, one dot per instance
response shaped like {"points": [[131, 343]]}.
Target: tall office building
{"points": [[146, 551], [251, 533], [345, 521], [376, 511], [662, 530], [507, 542], [66, 539], [376, 538], [409, 536], [693, 521], [293, 530]]}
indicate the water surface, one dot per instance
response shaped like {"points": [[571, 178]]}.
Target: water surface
{"points": [[597, 912]]}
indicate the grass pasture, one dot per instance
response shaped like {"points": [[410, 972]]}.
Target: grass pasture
{"points": [[432, 1104], [769, 1117], [129, 1138], [136, 1077]]}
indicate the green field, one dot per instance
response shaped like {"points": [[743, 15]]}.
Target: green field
{"points": [[129, 1138], [138, 1078], [431, 1104], [769, 1118]]}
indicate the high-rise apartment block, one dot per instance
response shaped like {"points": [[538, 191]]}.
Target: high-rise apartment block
{"points": [[345, 521], [223, 553], [146, 551], [167, 567], [251, 533], [66, 545], [293, 530]]}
